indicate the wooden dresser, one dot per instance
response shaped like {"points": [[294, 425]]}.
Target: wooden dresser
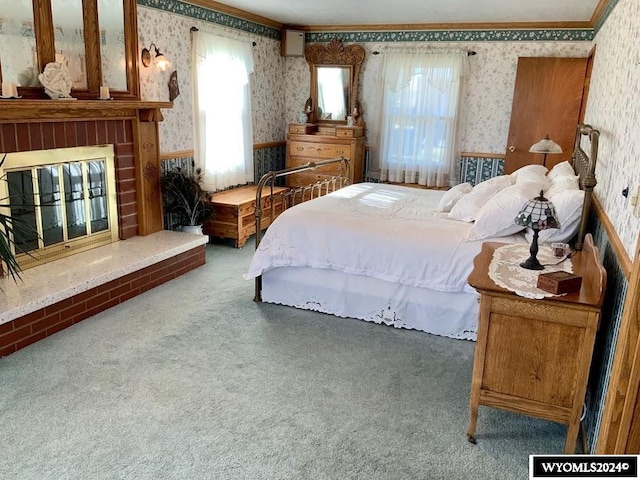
{"points": [[533, 356], [311, 143]]}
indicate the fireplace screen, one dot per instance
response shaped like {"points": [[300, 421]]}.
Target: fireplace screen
{"points": [[60, 207]]}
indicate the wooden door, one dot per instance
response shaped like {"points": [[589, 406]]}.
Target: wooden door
{"points": [[546, 101]]}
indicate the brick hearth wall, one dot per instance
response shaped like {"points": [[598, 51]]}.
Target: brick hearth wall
{"points": [[37, 325], [20, 137]]}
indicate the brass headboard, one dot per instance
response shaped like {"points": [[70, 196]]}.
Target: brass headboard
{"points": [[585, 166]]}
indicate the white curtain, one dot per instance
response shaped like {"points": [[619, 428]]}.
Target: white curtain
{"points": [[222, 110], [419, 108]]}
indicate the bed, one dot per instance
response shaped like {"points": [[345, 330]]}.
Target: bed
{"points": [[386, 254]]}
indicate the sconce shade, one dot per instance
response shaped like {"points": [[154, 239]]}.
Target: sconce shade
{"points": [[161, 61], [537, 214]]}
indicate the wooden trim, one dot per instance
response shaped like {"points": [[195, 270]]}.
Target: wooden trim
{"points": [[598, 12], [45, 38], [236, 12], [38, 110], [415, 185], [131, 51], [616, 243], [91, 47], [499, 156], [190, 153], [446, 26], [178, 154], [258, 146]]}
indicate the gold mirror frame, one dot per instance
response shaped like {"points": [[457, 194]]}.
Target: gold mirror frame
{"points": [[334, 54], [45, 48]]}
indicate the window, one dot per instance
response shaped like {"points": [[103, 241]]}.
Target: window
{"points": [[420, 97], [224, 133]]}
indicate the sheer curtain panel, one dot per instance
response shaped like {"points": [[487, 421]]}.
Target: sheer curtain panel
{"points": [[222, 110], [419, 110]]}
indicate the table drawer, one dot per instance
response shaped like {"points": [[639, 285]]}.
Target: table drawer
{"points": [[318, 150]]}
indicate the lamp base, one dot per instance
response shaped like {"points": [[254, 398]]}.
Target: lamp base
{"points": [[532, 263]]}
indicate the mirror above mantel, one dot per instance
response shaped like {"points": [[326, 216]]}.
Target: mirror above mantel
{"points": [[96, 39], [335, 70]]}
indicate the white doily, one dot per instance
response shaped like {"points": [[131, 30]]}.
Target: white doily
{"points": [[506, 271]]}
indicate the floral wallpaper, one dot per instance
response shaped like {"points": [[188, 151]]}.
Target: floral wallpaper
{"points": [[171, 33], [612, 108], [486, 106]]}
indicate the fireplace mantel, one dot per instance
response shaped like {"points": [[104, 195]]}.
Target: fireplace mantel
{"points": [[130, 125], [18, 109]]}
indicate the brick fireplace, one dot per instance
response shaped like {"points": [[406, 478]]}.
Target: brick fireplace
{"points": [[131, 127], [21, 137]]}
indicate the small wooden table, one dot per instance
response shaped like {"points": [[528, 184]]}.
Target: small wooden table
{"points": [[533, 356], [233, 212]]}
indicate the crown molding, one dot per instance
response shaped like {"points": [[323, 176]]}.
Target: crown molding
{"points": [[599, 11], [236, 12], [210, 11], [219, 13], [445, 26]]}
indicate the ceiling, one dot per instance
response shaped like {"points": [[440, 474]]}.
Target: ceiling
{"points": [[412, 12]]}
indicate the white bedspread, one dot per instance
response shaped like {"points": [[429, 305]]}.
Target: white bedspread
{"points": [[383, 231]]}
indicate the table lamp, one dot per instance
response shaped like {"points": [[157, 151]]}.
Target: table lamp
{"points": [[537, 214], [545, 146]]}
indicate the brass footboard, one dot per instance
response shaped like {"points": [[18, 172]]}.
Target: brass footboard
{"points": [[293, 196]]}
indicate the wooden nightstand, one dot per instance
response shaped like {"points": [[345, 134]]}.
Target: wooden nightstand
{"points": [[533, 356]]}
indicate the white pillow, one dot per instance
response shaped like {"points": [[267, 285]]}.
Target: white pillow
{"points": [[470, 204], [497, 217], [562, 183], [452, 195], [530, 171], [561, 169], [568, 205]]}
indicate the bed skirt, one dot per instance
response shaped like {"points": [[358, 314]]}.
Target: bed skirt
{"points": [[452, 315]]}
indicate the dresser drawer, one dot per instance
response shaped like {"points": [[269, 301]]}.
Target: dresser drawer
{"points": [[331, 169], [318, 150]]}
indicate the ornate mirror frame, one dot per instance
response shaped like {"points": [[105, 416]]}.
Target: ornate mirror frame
{"points": [[334, 54], [45, 49]]}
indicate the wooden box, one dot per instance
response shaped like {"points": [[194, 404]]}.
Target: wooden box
{"points": [[559, 282], [233, 213]]}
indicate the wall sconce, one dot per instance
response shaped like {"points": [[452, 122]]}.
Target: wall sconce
{"points": [[161, 61]]}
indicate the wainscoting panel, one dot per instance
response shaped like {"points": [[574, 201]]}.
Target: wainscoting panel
{"points": [[265, 158], [607, 334], [268, 158], [478, 169]]}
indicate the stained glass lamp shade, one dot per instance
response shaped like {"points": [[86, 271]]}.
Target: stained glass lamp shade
{"points": [[537, 214]]}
